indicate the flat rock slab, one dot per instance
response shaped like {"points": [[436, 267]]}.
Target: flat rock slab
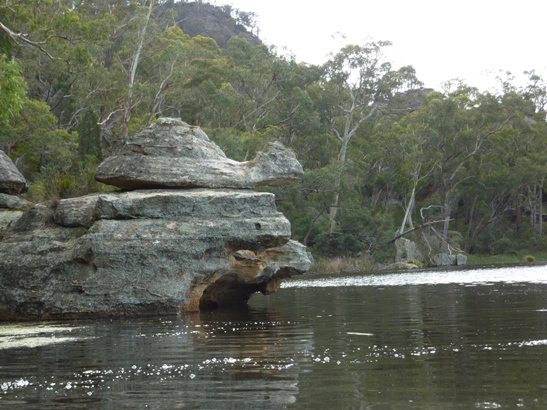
{"points": [[166, 204], [173, 154]]}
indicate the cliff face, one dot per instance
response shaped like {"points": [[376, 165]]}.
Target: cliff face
{"points": [[153, 251], [208, 20]]}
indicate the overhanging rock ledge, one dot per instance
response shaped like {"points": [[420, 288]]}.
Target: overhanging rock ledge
{"points": [[161, 248]]}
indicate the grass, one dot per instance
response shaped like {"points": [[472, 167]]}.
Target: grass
{"points": [[341, 264], [517, 257], [346, 264]]}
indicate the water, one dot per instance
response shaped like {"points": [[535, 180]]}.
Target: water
{"points": [[466, 339]]}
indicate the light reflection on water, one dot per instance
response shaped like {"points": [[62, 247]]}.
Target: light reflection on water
{"points": [[484, 276], [429, 339]]}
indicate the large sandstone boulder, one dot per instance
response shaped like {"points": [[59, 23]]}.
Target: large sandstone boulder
{"points": [[173, 154], [153, 251], [145, 253], [407, 250], [11, 180], [13, 202], [445, 259]]}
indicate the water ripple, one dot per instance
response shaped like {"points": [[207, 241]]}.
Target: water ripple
{"points": [[482, 276]]}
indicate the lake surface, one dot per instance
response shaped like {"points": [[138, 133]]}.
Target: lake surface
{"points": [[465, 339]]}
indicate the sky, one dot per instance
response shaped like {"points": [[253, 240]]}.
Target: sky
{"points": [[442, 40]]}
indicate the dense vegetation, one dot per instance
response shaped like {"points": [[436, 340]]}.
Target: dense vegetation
{"points": [[382, 155]]}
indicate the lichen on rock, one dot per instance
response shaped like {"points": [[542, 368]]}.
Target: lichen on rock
{"points": [[154, 251], [173, 154]]}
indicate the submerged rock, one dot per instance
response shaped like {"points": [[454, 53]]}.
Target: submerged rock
{"points": [[150, 251]]}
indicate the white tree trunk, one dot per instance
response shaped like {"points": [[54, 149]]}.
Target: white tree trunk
{"points": [[132, 73]]}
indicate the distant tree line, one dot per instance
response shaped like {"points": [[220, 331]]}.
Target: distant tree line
{"points": [[382, 155]]}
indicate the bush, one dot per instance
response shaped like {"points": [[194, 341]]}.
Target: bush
{"points": [[529, 258], [502, 245]]}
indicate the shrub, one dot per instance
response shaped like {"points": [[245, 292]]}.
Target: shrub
{"points": [[529, 258]]}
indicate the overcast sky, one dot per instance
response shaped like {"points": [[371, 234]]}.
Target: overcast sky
{"points": [[442, 40]]}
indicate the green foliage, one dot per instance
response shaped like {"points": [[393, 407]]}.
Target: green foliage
{"points": [[379, 154], [529, 258], [12, 88], [359, 231], [54, 183], [89, 136], [502, 245]]}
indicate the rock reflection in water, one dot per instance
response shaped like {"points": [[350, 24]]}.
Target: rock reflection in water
{"points": [[259, 350], [451, 341], [235, 356]]}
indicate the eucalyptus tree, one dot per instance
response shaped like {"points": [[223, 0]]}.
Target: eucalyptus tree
{"points": [[12, 88], [458, 128], [256, 73], [359, 82]]}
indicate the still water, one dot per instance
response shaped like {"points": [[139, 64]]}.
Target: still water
{"points": [[465, 339]]}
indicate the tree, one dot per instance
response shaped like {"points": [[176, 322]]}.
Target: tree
{"points": [[135, 59], [12, 88], [89, 137], [360, 83]]}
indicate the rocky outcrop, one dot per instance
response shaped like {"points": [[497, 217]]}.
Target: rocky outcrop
{"points": [[445, 259], [205, 19], [407, 250], [13, 202], [11, 180], [148, 251], [173, 154], [11, 184]]}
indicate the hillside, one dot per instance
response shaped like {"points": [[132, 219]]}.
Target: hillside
{"points": [[212, 21]]}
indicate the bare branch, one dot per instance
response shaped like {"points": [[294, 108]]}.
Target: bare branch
{"points": [[17, 37], [419, 227]]}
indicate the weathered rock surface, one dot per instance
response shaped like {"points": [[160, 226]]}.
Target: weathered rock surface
{"points": [[11, 180], [407, 250], [145, 253], [461, 259], [173, 154], [7, 218], [402, 266], [152, 251], [13, 202], [445, 259], [11, 209]]}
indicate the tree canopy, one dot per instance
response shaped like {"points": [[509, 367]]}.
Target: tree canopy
{"points": [[381, 154]]}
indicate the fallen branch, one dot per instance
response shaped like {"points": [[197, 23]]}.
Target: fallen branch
{"points": [[418, 227]]}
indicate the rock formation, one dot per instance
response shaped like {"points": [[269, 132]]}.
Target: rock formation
{"points": [[11, 180], [446, 259], [407, 250], [154, 251], [11, 184], [173, 154]]}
